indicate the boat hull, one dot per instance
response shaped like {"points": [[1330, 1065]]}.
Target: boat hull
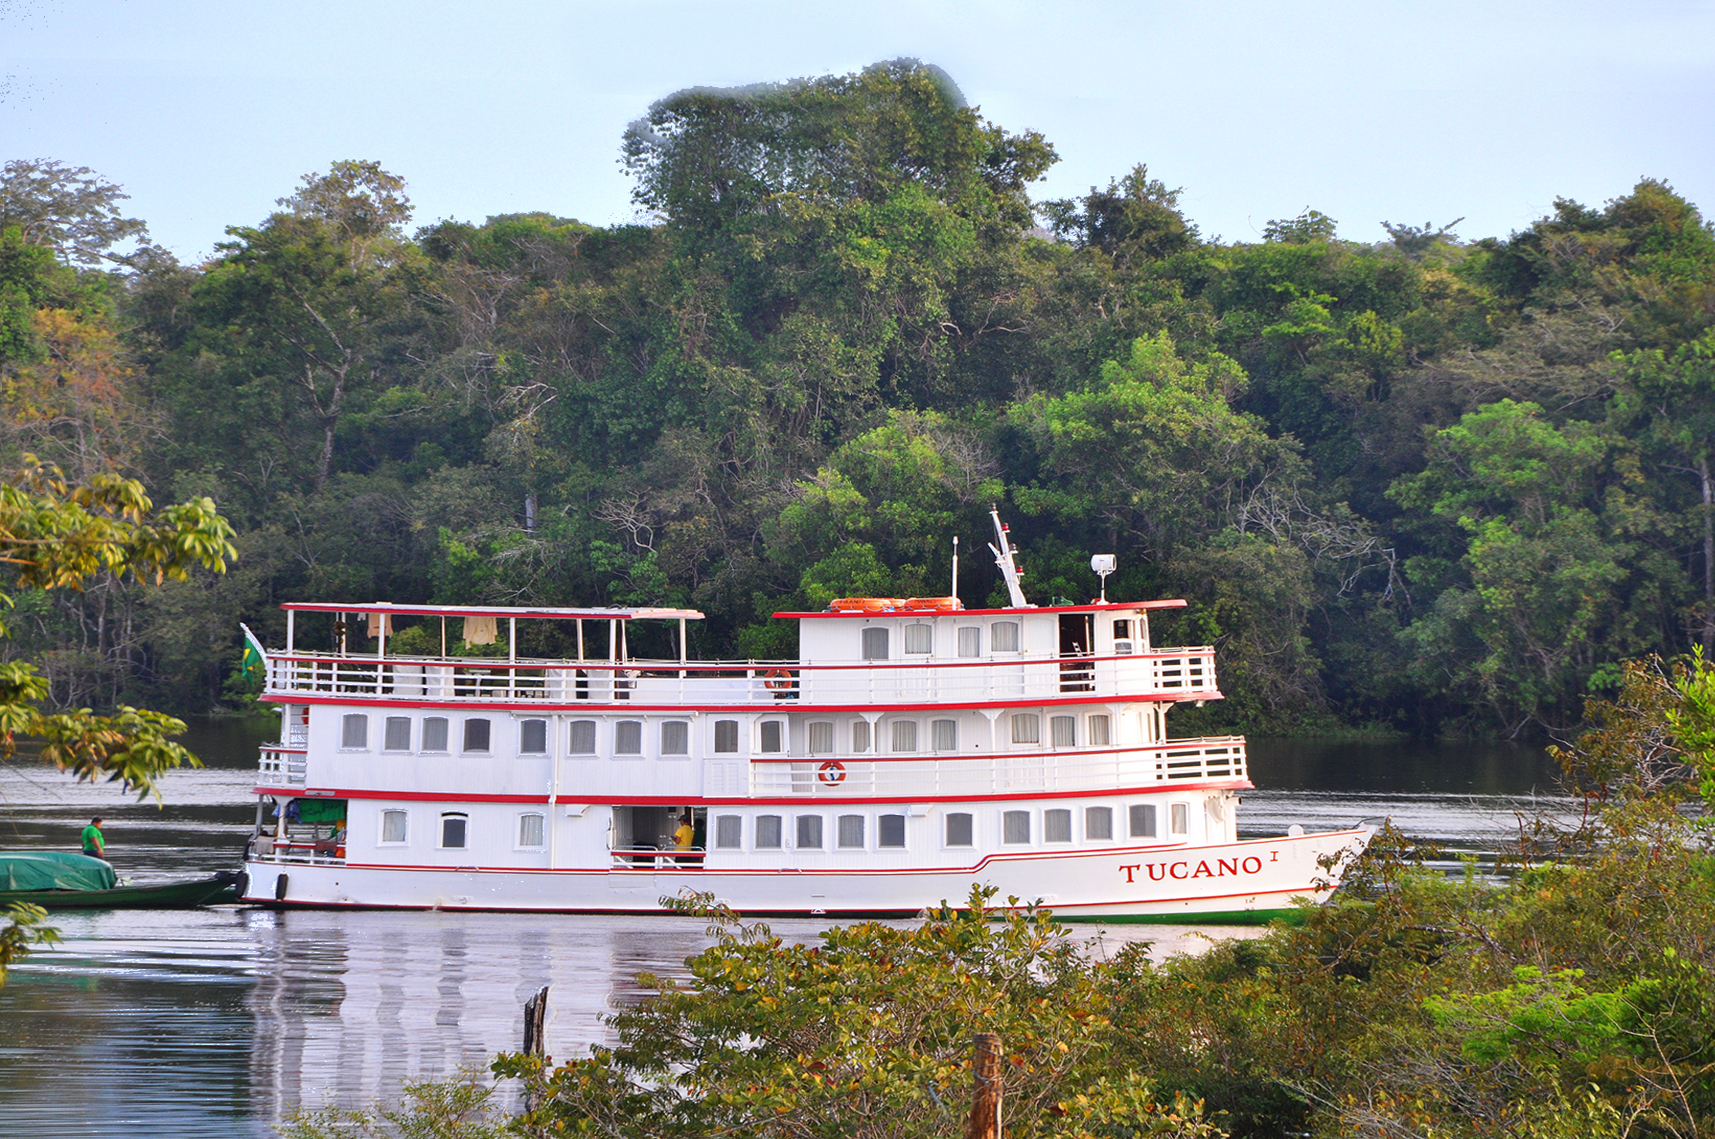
{"points": [[1238, 882], [214, 890]]}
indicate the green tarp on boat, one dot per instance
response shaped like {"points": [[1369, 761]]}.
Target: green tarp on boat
{"points": [[54, 870]]}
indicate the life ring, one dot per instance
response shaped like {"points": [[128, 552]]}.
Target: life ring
{"points": [[832, 773], [777, 680]]}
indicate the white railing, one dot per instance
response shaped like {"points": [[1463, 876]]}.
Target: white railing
{"points": [[1184, 673], [1210, 758], [281, 766]]}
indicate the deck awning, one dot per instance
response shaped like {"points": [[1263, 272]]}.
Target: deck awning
{"points": [[542, 612]]}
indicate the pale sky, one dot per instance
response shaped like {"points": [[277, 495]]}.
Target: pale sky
{"points": [[206, 111]]}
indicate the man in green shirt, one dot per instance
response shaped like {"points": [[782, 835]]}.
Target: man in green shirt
{"points": [[93, 844]]}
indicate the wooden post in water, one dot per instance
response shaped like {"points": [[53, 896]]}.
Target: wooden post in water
{"points": [[984, 1122], [535, 1017]]}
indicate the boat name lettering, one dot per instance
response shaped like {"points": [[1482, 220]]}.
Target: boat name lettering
{"points": [[1202, 868]]}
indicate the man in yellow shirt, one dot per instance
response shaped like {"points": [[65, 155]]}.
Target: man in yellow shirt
{"points": [[684, 836]]}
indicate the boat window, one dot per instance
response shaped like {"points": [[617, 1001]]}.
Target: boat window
{"points": [[971, 641], [727, 831], [905, 735], [1026, 728], [919, 638], [530, 830], [809, 832], [675, 737], [476, 735], [726, 736], [768, 832], [354, 731], [1143, 820], [958, 829], [1122, 638], [890, 830], [860, 736], [850, 833], [1003, 635], [771, 736], [533, 737], [1063, 730], [453, 831], [1098, 822], [1099, 733], [875, 644], [393, 824], [435, 733], [582, 740], [1015, 826], [1057, 825], [628, 737], [944, 735], [821, 737], [1181, 818], [396, 734]]}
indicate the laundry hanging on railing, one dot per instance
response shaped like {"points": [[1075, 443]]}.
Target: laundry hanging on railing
{"points": [[382, 627], [479, 630]]}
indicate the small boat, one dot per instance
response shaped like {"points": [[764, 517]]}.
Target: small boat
{"points": [[56, 880]]}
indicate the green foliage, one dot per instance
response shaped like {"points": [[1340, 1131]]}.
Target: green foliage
{"points": [[461, 1108], [866, 1034], [23, 930]]}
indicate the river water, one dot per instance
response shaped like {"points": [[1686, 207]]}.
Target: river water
{"points": [[220, 1022]]}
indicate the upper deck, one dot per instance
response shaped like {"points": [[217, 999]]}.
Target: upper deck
{"points": [[905, 658]]}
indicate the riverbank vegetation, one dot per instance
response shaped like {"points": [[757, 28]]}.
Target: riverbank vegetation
{"points": [[1407, 480], [1572, 998]]}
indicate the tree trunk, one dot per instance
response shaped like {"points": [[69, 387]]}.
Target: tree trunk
{"points": [[1708, 554]]}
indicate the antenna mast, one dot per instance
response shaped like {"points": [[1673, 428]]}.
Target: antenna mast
{"points": [[1005, 559], [955, 593]]}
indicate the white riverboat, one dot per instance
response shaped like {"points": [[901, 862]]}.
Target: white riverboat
{"points": [[914, 749]]}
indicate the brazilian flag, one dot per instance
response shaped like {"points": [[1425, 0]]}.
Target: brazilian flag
{"points": [[255, 665]]}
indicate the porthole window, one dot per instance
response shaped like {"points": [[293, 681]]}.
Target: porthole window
{"points": [[890, 831], [849, 833], [768, 832], [453, 831], [809, 832], [530, 831], [727, 831]]}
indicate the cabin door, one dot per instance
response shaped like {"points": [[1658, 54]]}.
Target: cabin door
{"points": [[1077, 640]]}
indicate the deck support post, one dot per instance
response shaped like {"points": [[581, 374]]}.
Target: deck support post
{"points": [[535, 1019]]}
